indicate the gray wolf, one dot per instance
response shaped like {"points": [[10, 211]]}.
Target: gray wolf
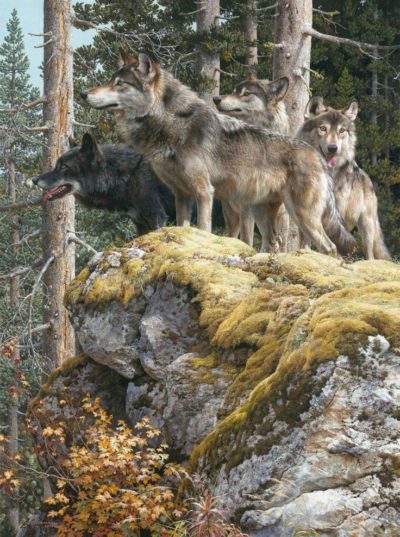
{"points": [[112, 177], [332, 132], [199, 152], [258, 102]]}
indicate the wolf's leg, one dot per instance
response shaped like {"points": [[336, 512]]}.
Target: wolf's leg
{"points": [[232, 218], [183, 207], [282, 228], [313, 230], [265, 216], [366, 228], [203, 192], [246, 225]]}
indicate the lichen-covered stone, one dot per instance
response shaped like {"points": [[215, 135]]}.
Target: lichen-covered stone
{"points": [[275, 376]]}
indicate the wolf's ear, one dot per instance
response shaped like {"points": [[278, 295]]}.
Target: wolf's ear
{"points": [[147, 69], [72, 142], [278, 88], [125, 58], [315, 106], [351, 111], [89, 149]]}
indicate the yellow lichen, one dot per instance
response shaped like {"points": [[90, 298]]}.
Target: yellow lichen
{"points": [[282, 315]]}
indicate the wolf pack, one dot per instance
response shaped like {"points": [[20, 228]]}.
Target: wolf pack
{"points": [[180, 151]]}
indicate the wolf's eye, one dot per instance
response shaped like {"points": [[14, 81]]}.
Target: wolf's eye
{"points": [[322, 128], [342, 130]]}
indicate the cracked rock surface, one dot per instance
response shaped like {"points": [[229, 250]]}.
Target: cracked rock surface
{"points": [[276, 377]]}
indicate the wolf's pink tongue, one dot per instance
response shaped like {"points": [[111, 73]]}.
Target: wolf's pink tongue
{"points": [[331, 161], [49, 194]]}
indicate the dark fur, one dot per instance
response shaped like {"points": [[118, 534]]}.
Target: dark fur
{"points": [[112, 177]]}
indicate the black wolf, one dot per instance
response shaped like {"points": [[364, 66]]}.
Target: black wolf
{"points": [[198, 152], [112, 177]]}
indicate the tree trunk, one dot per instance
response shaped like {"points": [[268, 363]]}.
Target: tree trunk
{"points": [[292, 57], [58, 216], [208, 63], [387, 117], [374, 94], [13, 508], [250, 30]]}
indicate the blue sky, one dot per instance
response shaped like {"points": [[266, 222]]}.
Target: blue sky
{"points": [[30, 13]]}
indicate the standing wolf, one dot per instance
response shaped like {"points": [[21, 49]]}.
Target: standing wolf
{"points": [[258, 102], [112, 177], [198, 152], [332, 132]]}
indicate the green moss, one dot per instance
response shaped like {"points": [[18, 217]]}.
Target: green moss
{"points": [[321, 274], [314, 309], [337, 323], [209, 369]]}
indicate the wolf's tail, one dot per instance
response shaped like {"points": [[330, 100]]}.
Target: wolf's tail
{"points": [[334, 224], [379, 248]]}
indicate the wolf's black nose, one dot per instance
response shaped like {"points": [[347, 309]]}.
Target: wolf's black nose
{"points": [[35, 180], [217, 100], [332, 148], [83, 94]]}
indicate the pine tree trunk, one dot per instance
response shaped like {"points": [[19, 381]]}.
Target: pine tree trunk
{"points": [[374, 95], [250, 30], [208, 64], [58, 216], [13, 508], [292, 58]]}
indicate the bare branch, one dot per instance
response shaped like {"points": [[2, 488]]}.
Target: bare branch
{"points": [[77, 240], [40, 328], [41, 35], [77, 124], [225, 72], [28, 237], [326, 13], [48, 42], [31, 295], [20, 271], [21, 205], [44, 128], [345, 41], [24, 107], [268, 8], [183, 14]]}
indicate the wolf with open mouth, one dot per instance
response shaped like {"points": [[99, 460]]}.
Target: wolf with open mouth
{"points": [[112, 177], [332, 132]]}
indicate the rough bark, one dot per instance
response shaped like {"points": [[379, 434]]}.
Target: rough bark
{"points": [[208, 64], [250, 30], [292, 57], [58, 216], [13, 508]]}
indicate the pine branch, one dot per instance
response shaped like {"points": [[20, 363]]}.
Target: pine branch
{"points": [[345, 41]]}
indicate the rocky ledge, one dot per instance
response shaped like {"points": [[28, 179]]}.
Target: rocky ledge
{"points": [[277, 377]]}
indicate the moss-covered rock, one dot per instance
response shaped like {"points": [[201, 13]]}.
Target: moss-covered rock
{"points": [[243, 359]]}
